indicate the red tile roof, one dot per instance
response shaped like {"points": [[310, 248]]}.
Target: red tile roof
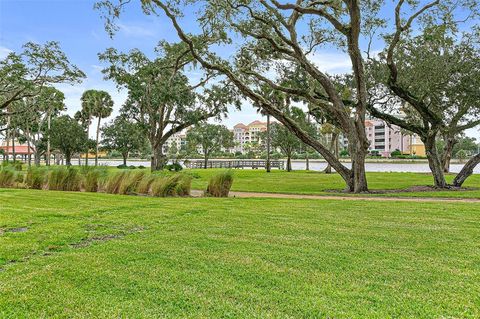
{"points": [[257, 122], [19, 149], [240, 125]]}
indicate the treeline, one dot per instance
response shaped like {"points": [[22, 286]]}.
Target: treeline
{"points": [[413, 64]]}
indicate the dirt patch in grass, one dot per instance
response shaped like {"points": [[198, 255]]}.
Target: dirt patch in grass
{"points": [[13, 230], [412, 189], [103, 238]]}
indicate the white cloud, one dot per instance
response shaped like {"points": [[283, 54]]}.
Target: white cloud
{"points": [[4, 52], [130, 30], [333, 63]]}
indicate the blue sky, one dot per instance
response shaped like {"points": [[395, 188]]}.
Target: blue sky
{"points": [[80, 31], [81, 34]]}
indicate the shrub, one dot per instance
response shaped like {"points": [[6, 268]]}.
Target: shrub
{"points": [[8, 177], [220, 184], [17, 165], [375, 153], [174, 167], [141, 167], [35, 178], [114, 181], [64, 179], [143, 186], [130, 182], [344, 153], [90, 181], [396, 153], [132, 167], [184, 185], [122, 166], [174, 185], [93, 177]]}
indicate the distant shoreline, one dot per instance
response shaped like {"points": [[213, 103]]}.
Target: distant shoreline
{"points": [[343, 160]]}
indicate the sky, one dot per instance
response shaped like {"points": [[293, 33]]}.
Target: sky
{"points": [[80, 31], [81, 34]]}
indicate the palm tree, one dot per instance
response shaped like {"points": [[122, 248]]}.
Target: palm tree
{"points": [[280, 100], [103, 109], [85, 116], [97, 104]]}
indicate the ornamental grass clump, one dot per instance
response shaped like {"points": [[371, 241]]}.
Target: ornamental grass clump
{"points": [[64, 179], [169, 186], [220, 184], [35, 178], [93, 178], [114, 182], [184, 185], [129, 183], [144, 185], [8, 176]]}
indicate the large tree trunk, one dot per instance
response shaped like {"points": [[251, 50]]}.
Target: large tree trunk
{"points": [[7, 137], [29, 158], [289, 163], [307, 159], [125, 156], [447, 152], [466, 171], [48, 139], [358, 171], [159, 159], [358, 147], [205, 161], [87, 150], [36, 157], [434, 161], [267, 165], [13, 147], [68, 159], [96, 140], [333, 149]]}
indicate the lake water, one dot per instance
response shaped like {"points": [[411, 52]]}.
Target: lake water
{"points": [[414, 167]]}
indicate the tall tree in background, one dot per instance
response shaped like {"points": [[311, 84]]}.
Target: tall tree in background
{"points": [[32, 117], [284, 139], [287, 142], [25, 74], [210, 137], [101, 108], [85, 115], [160, 97], [124, 136], [428, 84], [281, 35], [67, 136], [284, 35]]}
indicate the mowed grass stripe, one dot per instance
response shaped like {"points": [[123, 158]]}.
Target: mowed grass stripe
{"points": [[239, 258]]}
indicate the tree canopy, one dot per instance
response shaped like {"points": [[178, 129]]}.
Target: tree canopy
{"points": [[210, 138], [278, 37], [68, 136], [161, 97], [124, 136], [25, 74]]}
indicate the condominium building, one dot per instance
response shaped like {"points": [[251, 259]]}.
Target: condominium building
{"points": [[383, 138], [386, 139], [246, 134], [178, 139]]}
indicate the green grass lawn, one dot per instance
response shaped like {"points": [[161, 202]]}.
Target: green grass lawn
{"points": [[82, 255], [311, 182]]}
